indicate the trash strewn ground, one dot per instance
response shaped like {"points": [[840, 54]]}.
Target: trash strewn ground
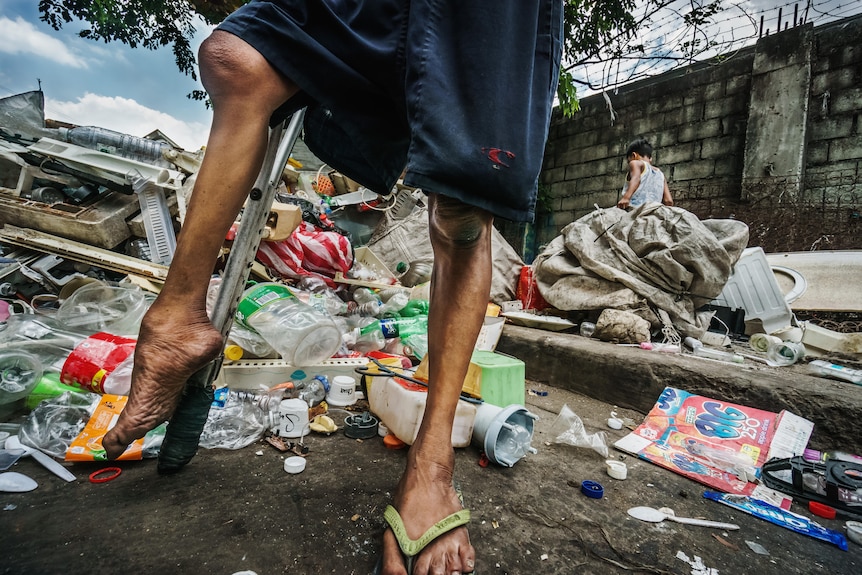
{"points": [[229, 511]]}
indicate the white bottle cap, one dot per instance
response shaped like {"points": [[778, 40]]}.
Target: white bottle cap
{"points": [[294, 464]]}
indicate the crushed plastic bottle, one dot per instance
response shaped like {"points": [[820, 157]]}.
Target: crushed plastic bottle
{"points": [[239, 418], [299, 333]]}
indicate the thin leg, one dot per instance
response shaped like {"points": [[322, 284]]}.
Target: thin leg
{"points": [[460, 287], [176, 337]]}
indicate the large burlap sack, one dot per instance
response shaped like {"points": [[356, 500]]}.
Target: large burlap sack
{"points": [[654, 256]]}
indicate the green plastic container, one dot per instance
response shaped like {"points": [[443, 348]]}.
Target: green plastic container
{"points": [[496, 378]]}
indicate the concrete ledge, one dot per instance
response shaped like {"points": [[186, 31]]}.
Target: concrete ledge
{"points": [[634, 378]]}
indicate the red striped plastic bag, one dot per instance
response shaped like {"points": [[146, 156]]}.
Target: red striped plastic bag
{"points": [[309, 251]]}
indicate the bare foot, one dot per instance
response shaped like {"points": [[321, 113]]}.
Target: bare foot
{"points": [[426, 495], [174, 342]]}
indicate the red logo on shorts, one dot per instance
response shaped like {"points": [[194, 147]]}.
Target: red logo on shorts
{"points": [[494, 154]]}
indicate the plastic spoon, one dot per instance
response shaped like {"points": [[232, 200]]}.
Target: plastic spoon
{"points": [[653, 515], [46, 460]]}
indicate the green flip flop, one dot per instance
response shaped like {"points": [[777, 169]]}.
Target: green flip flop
{"points": [[410, 548]]}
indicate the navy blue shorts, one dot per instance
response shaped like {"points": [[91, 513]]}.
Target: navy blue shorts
{"points": [[458, 92]]}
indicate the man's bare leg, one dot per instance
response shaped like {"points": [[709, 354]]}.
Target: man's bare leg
{"points": [[461, 237], [176, 337]]}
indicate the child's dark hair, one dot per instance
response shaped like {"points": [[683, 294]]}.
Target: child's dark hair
{"points": [[641, 146]]}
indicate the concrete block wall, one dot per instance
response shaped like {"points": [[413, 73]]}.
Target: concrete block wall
{"points": [[834, 160], [697, 118]]}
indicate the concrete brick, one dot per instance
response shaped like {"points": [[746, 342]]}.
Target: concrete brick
{"points": [[567, 157], [561, 219], [563, 189], [645, 125], [693, 170], [585, 170], [587, 185], [834, 80], [737, 84], [585, 138], [574, 203], [737, 124], [845, 149], [816, 153], [552, 175], [721, 107], [693, 113], [594, 152], [663, 138], [847, 100], [831, 127], [663, 105], [673, 117], [699, 130], [726, 166], [674, 154], [721, 146]]}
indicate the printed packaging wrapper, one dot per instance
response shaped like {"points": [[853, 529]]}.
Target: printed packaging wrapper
{"points": [[720, 444], [87, 446]]}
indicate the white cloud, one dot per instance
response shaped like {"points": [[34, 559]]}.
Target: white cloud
{"points": [[126, 116], [21, 37]]}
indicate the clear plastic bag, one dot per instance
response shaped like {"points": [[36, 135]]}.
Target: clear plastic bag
{"points": [[55, 422], [96, 307], [569, 429]]}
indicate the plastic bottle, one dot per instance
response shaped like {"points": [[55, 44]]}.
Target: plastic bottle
{"points": [[298, 332], [238, 418], [414, 273], [699, 350], [394, 304], [826, 369], [414, 307], [364, 295], [314, 391], [250, 342], [372, 335], [111, 142]]}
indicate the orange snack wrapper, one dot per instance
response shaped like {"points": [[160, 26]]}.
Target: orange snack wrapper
{"points": [[88, 445]]}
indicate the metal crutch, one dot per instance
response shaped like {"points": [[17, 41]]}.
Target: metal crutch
{"points": [[187, 424]]}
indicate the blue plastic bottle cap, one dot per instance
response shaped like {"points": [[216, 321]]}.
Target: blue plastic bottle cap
{"points": [[592, 489]]}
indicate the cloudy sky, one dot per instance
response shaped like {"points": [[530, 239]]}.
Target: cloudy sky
{"points": [[93, 83]]}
